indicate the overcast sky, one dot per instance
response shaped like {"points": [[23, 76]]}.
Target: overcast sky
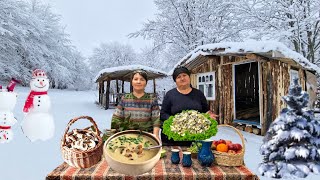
{"points": [[90, 22]]}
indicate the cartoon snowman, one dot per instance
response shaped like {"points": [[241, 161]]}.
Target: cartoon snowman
{"points": [[7, 103], [38, 123]]}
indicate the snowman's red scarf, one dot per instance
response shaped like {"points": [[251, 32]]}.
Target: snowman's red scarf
{"points": [[5, 127], [29, 101]]}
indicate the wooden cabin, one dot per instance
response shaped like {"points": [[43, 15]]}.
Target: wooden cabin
{"points": [[121, 74], [244, 81]]}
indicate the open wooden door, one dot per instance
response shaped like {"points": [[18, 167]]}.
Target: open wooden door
{"points": [[246, 94]]}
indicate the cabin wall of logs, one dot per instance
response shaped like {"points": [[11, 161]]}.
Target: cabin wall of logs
{"points": [[274, 81]]}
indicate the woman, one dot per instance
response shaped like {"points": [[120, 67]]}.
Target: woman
{"points": [[137, 110], [183, 97]]}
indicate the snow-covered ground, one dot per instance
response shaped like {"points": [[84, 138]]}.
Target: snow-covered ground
{"points": [[21, 159]]}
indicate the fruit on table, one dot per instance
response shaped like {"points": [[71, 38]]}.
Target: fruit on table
{"points": [[221, 141], [228, 142], [235, 147], [213, 146], [222, 147], [226, 146]]}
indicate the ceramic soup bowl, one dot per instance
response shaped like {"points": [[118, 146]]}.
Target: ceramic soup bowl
{"points": [[125, 153]]}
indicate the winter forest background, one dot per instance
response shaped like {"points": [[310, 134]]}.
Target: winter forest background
{"points": [[32, 36]]}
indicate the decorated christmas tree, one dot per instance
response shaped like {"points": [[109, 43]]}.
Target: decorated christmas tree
{"points": [[291, 147]]}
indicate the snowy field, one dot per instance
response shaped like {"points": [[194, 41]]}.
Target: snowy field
{"points": [[23, 160]]}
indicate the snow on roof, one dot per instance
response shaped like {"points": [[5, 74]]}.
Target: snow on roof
{"points": [[255, 47], [129, 68]]}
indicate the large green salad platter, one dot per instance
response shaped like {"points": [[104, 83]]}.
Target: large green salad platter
{"points": [[190, 125]]}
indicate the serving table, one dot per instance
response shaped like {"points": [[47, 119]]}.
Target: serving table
{"points": [[164, 169]]}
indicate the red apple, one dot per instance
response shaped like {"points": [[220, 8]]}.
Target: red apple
{"points": [[215, 143], [221, 141], [213, 146], [237, 147], [230, 146], [228, 142]]}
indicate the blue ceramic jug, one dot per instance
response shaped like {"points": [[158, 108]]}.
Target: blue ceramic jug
{"points": [[175, 158], [186, 159], [205, 155]]}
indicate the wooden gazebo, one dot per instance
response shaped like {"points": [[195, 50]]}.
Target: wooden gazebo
{"points": [[123, 74]]}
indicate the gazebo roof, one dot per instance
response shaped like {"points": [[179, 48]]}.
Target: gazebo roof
{"points": [[124, 73], [269, 49]]}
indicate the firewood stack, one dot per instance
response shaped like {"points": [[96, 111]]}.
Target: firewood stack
{"points": [[248, 128]]}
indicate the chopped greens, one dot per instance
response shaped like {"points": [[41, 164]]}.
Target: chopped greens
{"points": [[190, 125], [123, 139], [147, 144]]}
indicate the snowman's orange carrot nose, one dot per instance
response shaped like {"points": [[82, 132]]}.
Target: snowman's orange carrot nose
{"points": [[41, 83]]}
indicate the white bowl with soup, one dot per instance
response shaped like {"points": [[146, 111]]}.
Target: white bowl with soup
{"points": [[125, 154]]}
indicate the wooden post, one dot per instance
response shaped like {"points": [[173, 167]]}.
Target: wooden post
{"points": [[102, 92], [117, 86], [117, 94], [270, 95], [261, 94], [99, 84], [107, 94], [220, 94], [154, 86], [122, 86]]}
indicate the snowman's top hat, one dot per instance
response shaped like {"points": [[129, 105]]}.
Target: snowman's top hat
{"points": [[38, 73]]}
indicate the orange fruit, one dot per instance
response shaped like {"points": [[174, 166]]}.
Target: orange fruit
{"points": [[222, 148]]}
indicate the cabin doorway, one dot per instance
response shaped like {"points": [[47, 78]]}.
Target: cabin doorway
{"points": [[246, 94]]}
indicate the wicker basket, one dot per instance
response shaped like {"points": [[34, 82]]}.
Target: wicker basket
{"points": [[82, 159], [228, 159]]}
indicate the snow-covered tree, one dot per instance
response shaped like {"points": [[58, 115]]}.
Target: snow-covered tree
{"points": [[149, 56], [111, 55], [291, 146], [294, 22], [182, 25], [31, 37], [11, 33]]}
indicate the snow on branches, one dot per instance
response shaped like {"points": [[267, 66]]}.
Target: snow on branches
{"points": [[291, 145]]}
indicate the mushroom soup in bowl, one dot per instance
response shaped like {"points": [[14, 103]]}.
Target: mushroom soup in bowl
{"points": [[125, 153]]}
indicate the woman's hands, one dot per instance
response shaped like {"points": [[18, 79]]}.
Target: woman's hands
{"points": [[212, 114], [156, 132]]}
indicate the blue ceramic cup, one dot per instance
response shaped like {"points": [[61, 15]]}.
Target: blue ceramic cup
{"points": [[175, 159], [186, 159]]}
